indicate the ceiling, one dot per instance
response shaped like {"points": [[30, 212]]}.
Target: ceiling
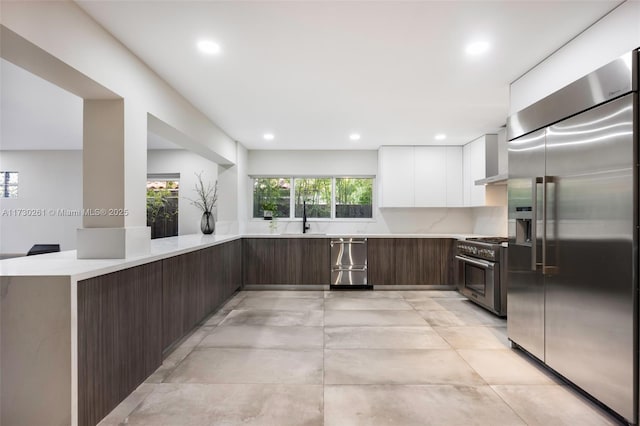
{"points": [[312, 72]]}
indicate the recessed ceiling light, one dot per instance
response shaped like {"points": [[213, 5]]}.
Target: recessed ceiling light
{"points": [[209, 47], [440, 137], [354, 136], [268, 136], [477, 48]]}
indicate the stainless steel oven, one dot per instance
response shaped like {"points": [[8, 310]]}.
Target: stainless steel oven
{"points": [[480, 273]]}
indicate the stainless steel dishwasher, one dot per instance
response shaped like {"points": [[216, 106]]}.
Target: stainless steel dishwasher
{"points": [[349, 263]]}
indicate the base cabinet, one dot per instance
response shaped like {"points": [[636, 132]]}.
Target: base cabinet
{"points": [[119, 337], [411, 261], [127, 319], [195, 284], [286, 261]]}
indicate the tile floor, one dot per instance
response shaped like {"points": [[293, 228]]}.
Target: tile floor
{"points": [[352, 358]]}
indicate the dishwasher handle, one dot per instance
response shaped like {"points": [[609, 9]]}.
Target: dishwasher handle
{"points": [[341, 242], [358, 268]]}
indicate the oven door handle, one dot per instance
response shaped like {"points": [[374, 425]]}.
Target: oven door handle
{"points": [[487, 265]]}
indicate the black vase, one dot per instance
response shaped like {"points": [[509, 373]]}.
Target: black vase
{"points": [[207, 223]]}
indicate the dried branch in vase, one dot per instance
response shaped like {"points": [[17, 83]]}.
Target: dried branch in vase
{"points": [[207, 194]]}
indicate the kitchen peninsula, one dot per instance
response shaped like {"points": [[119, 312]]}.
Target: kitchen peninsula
{"points": [[79, 335]]}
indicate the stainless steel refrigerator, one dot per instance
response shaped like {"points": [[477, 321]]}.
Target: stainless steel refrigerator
{"points": [[573, 233]]}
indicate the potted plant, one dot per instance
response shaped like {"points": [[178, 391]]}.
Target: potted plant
{"points": [[206, 201], [269, 209]]}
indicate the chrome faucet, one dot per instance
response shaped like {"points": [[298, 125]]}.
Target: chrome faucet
{"points": [[305, 225]]}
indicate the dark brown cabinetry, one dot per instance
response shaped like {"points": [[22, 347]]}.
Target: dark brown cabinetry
{"points": [[292, 261], [126, 320], [315, 258], [381, 261], [411, 261], [194, 284], [119, 337]]}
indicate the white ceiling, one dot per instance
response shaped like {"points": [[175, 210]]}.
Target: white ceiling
{"points": [[313, 72]]}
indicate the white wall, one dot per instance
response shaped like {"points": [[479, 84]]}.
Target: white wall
{"points": [[48, 181], [484, 220], [243, 187], [52, 180], [233, 202], [609, 38], [187, 164], [492, 219], [309, 163]]}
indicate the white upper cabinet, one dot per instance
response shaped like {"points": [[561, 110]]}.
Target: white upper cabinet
{"points": [[453, 160], [434, 176], [430, 183], [420, 176], [396, 176]]}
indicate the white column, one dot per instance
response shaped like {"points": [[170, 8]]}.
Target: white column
{"points": [[114, 178]]}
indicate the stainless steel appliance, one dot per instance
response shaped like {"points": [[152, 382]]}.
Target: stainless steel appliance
{"points": [[482, 272], [349, 263], [573, 236]]}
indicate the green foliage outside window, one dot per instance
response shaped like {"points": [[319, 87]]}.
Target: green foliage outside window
{"points": [[354, 197], [158, 201], [162, 208], [272, 193], [317, 193]]}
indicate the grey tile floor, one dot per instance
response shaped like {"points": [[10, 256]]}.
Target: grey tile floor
{"points": [[352, 358]]}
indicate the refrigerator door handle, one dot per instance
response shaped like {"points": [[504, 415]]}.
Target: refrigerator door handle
{"points": [[547, 269], [534, 219]]}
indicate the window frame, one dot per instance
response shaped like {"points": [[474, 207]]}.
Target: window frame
{"points": [[5, 185], [332, 218]]}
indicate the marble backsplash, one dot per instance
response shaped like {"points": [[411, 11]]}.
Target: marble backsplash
{"points": [[478, 220]]}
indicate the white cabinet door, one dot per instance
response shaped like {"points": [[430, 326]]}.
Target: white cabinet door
{"points": [[430, 176], [423, 176], [396, 176], [478, 171], [453, 167], [474, 166], [466, 178]]}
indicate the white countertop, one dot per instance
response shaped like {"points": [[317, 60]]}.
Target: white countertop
{"points": [[346, 235], [65, 263]]}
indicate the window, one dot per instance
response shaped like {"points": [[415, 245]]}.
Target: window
{"points": [[162, 205], [354, 197], [9, 182], [326, 197], [272, 194], [317, 193]]}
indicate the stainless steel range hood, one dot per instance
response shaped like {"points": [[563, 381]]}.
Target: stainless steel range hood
{"points": [[500, 179], [496, 160]]}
